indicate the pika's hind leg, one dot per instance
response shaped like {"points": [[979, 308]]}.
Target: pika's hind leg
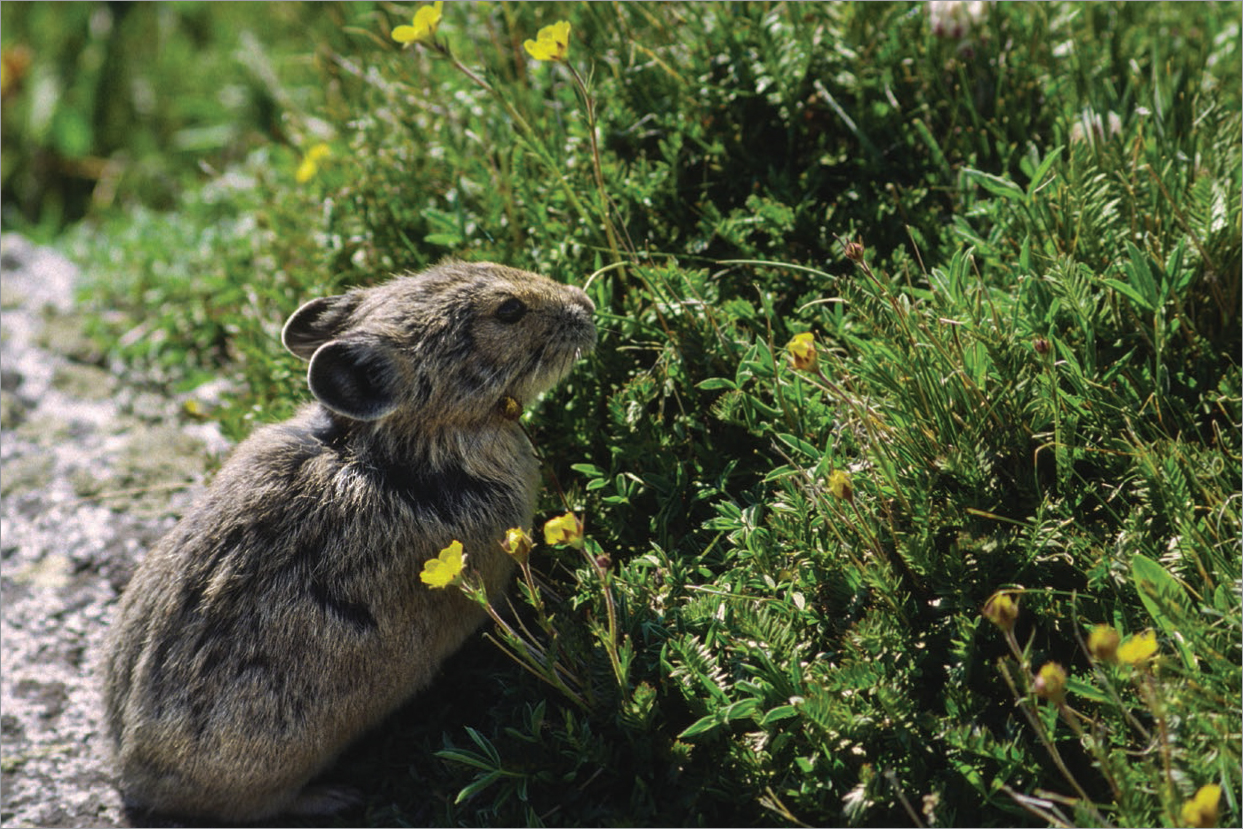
{"points": [[322, 799]]}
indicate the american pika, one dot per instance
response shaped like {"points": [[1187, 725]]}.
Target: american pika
{"points": [[284, 615]]}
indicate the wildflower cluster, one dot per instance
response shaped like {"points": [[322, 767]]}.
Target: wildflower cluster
{"points": [[448, 567], [1105, 646], [552, 44]]}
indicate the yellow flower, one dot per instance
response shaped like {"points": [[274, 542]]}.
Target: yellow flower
{"points": [[423, 27], [1138, 649], [310, 163], [1050, 683], [446, 568], [839, 485], [1201, 810], [803, 351], [1103, 643], [1001, 610], [517, 544], [551, 43], [564, 529]]}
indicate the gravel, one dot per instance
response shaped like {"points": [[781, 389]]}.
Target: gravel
{"points": [[95, 469]]}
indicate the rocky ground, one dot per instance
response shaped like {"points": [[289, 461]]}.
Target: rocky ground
{"points": [[93, 470]]}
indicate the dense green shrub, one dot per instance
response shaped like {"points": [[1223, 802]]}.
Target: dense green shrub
{"points": [[1018, 255]]}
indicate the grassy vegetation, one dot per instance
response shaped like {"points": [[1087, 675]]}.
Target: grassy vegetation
{"points": [[1017, 252]]}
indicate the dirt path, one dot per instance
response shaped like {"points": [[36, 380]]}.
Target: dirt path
{"points": [[93, 469]]}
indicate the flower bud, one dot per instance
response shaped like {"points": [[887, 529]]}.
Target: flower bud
{"points": [[1103, 643], [518, 545], [1050, 683], [1002, 610]]}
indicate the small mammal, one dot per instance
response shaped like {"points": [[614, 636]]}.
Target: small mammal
{"points": [[284, 614]]}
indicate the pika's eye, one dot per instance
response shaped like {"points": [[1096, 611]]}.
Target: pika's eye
{"points": [[511, 310]]}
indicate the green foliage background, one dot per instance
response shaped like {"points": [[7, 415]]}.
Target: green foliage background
{"points": [[1032, 376]]}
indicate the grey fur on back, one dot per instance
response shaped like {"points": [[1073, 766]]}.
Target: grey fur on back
{"points": [[284, 615]]}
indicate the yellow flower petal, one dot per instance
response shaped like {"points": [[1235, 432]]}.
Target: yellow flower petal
{"points": [[551, 43], [423, 27], [1138, 649], [839, 485], [564, 529], [1201, 810], [310, 163], [446, 568], [803, 351]]}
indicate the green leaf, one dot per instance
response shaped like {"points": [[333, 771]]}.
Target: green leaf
{"points": [[1130, 293], [1141, 278], [701, 726], [444, 240], [477, 786], [739, 710], [1162, 594], [996, 185], [781, 712], [797, 443], [1079, 688], [466, 758], [1046, 164]]}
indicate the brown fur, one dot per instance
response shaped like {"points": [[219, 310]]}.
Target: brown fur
{"points": [[284, 614]]}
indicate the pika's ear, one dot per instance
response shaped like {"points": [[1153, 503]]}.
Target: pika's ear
{"points": [[317, 322], [353, 379]]}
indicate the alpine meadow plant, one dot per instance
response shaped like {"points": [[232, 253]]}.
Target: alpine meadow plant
{"points": [[903, 485]]}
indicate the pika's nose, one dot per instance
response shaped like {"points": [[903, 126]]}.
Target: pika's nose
{"points": [[583, 301], [581, 311]]}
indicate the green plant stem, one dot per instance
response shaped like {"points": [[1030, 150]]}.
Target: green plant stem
{"points": [[1148, 692], [1056, 400], [589, 106], [610, 643], [532, 655], [523, 125], [1047, 741]]}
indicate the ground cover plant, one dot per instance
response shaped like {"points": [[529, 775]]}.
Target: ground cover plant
{"points": [[903, 487]]}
